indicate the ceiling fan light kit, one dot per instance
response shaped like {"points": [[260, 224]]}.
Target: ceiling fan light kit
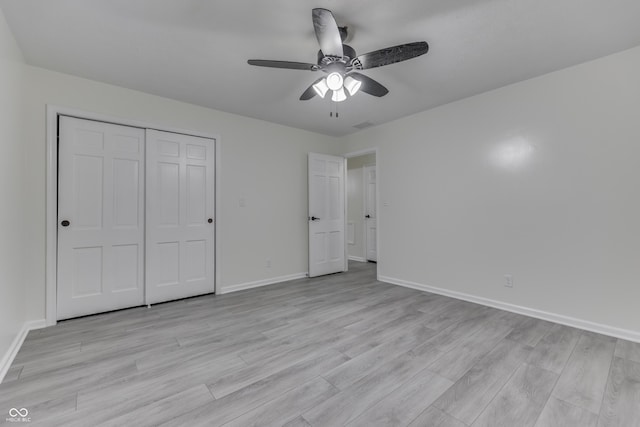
{"points": [[352, 85], [340, 63], [337, 84], [321, 88], [338, 95], [335, 81]]}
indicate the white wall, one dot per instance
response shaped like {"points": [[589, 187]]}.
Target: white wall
{"points": [[12, 297], [264, 163], [540, 179], [355, 212]]}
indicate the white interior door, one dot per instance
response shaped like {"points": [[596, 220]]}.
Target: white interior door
{"points": [[180, 225], [100, 217], [370, 216], [326, 214]]}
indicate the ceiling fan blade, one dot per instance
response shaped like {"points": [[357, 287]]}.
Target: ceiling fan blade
{"points": [[310, 92], [283, 64], [369, 85], [327, 32], [390, 55]]}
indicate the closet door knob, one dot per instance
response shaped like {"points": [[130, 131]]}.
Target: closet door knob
{"points": [[65, 223], [210, 220]]}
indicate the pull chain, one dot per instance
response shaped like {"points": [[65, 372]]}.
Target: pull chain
{"points": [[336, 110]]}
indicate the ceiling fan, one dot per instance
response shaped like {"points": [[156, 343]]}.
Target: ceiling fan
{"points": [[340, 63]]}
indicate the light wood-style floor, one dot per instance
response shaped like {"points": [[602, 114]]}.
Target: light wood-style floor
{"points": [[332, 351]]}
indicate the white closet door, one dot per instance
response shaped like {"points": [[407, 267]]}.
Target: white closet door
{"points": [[100, 217], [326, 214], [180, 224]]}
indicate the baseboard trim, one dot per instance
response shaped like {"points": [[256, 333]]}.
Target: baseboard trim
{"points": [[260, 283], [357, 258], [587, 325], [12, 352]]}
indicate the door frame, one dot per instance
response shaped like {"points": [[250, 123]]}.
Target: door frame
{"points": [[365, 198], [359, 153], [51, 203]]}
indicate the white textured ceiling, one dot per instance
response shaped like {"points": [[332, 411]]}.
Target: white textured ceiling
{"points": [[196, 50]]}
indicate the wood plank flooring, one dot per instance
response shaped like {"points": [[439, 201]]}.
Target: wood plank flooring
{"points": [[339, 350]]}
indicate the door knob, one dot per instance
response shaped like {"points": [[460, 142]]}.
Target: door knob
{"points": [[367, 216], [210, 220], [314, 218], [65, 223]]}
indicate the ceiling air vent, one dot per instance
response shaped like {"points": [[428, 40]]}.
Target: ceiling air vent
{"points": [[364, 125]]}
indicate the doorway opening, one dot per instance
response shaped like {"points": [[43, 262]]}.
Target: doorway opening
{"points": [[362, 208]]}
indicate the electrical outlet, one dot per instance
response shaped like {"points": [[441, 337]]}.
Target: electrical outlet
{"points": [[508, 280]]}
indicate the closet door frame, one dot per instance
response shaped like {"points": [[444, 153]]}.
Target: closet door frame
{"points": [[51, 224]]}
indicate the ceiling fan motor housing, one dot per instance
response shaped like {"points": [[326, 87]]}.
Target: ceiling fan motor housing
{"points": [[349, 53]]}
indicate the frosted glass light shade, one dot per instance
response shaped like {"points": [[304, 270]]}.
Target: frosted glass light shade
{"points": [[352, 85], [335, 81], [339, 95], [321, 88]]}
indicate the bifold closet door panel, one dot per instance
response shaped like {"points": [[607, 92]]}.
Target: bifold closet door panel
{"points": [[100, 217], [179, 219]]}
